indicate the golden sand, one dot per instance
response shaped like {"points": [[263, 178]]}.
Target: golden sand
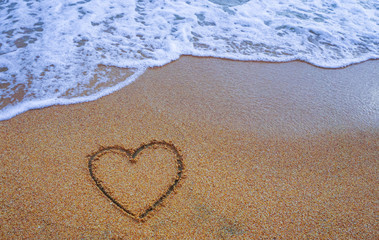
{"points": [[269, 150]]}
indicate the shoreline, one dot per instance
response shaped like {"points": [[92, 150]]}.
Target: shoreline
{"points": [[124, 83], [264, 156]]}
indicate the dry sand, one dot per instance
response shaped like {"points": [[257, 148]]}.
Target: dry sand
{"points": [[269, 150]]}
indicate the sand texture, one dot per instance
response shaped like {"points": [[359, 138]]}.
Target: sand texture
{"points": [[247, 151]]}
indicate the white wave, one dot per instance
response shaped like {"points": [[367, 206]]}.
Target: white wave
{"points": [[50, 52]]}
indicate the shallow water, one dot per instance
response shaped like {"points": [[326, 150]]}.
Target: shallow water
{"points": [[57, 53]]}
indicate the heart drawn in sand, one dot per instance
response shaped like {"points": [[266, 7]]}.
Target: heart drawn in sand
{"points": [[137, 180]]}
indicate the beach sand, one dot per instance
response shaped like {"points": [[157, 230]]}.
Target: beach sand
{"points": [[269, 150]]}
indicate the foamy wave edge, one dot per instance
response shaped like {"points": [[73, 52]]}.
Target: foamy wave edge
{"points": [[12, 111]]}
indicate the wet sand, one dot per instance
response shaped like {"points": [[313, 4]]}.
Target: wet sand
{"points": [[283, 150]]}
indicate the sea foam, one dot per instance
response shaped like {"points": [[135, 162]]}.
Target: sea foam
{"points": [[50, 53]]}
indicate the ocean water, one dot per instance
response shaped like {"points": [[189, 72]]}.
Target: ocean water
{"points": [[57, 52]]}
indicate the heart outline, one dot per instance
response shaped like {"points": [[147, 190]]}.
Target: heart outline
{"points": [[132, 154]]}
